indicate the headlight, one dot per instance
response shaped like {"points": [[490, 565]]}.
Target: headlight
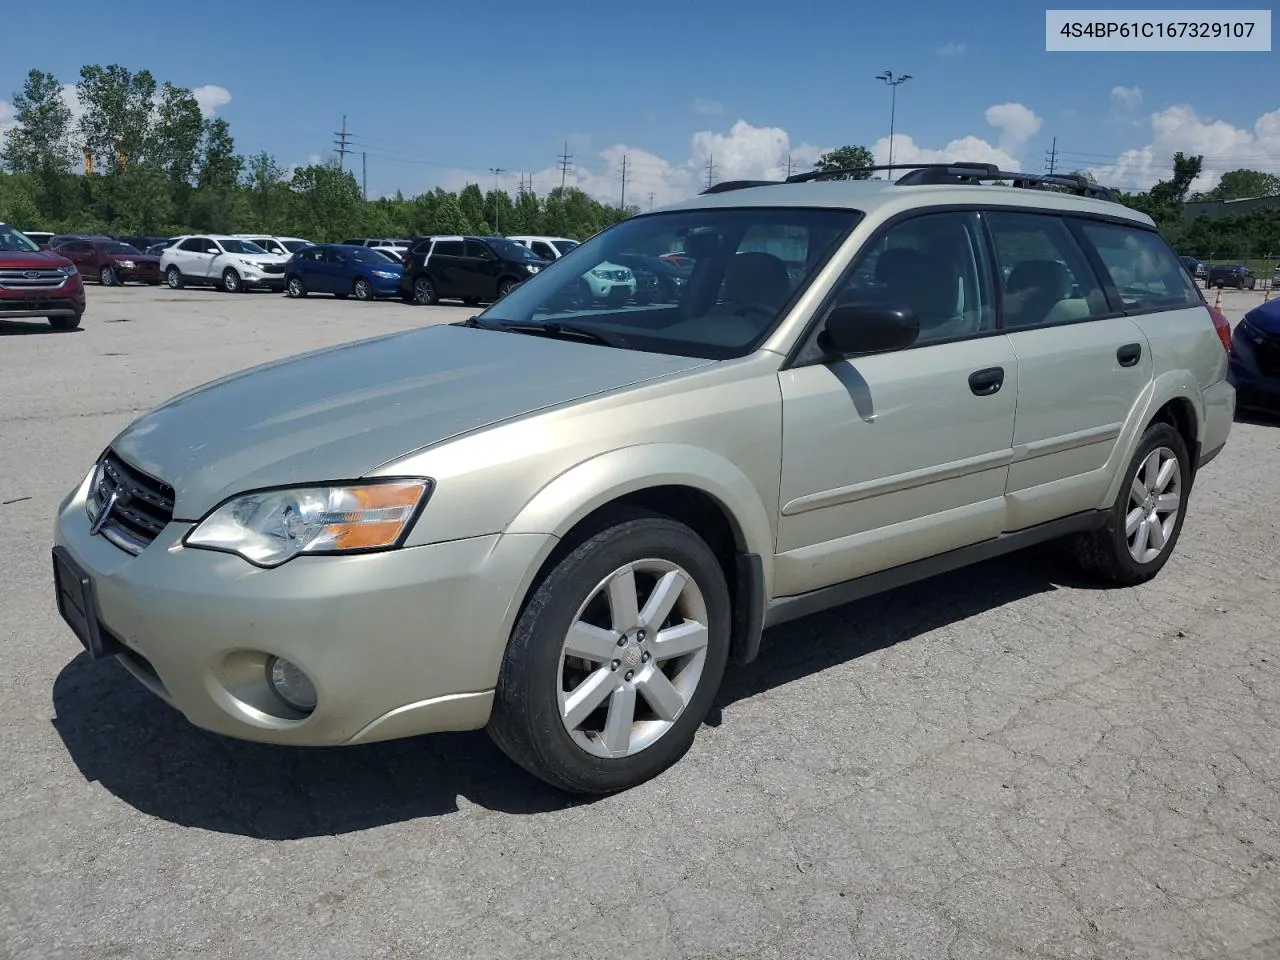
{"points": [[385, 274], [250, 263], [128, 264], [273, 526], [70, 270], [600, 274], [532, 268]]}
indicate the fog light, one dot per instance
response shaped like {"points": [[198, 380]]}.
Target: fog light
{"points": [[291, 685]]}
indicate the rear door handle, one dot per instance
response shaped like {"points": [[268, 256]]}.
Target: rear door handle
{"points": [[984, 383], [1129, 354]]}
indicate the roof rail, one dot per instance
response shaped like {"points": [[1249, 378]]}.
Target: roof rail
{"points": [[960, 172]]}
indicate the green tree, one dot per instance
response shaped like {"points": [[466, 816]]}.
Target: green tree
{"points": [[117, 119], [448, 217], [41, 146], [213, 205], [173, 140], [471, 200], [1175, 189], [842, 158], [329, 205], [268, 197], [1238, 184]]}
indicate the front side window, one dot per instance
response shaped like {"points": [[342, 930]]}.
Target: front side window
{"points": [[1143, 269], [312, 255], [1046, 276], [564, 246], [242, 246], [935, 265], [744, 280], [543, 250]]}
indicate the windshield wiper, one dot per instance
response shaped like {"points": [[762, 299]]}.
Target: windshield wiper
{"points": [[554, 329]]}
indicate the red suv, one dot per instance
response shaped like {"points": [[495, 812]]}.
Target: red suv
{"points": [[38, 283], [110, 261]]}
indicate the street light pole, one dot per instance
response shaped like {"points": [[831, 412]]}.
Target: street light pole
{"points": [[495, 171], [894, 83]]}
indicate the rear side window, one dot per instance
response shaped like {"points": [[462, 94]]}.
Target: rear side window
{"points": [[1145, 272], [448, 248], [543, 250], [1045, 275]]}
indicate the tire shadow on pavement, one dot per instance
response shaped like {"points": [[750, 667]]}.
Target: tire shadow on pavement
{"points": [[152, 758]]}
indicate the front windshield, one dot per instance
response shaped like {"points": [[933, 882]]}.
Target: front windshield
{"points": [[241, 246], [370, 255], [293, 246], [564, 246], [748, 264], [122, 248], [11, 241], [510, 250]]}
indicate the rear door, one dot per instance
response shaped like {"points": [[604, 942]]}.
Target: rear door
{"points": [[311, 268], [444, 266], [1082, 367]]}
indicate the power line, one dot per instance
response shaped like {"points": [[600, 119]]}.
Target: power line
{"points": [[564, 163], [364, 174], [341, 143]]}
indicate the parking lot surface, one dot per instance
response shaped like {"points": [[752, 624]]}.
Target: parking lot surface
{"points": [[1005, 762]]}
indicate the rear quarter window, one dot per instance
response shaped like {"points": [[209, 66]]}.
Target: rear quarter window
{"points": [[1145, 272]]}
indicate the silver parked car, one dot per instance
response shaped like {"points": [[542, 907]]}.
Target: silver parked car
{"points": [[561, 521]]}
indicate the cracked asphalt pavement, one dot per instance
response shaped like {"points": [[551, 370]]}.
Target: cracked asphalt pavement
{"points": [[1004, 762]]}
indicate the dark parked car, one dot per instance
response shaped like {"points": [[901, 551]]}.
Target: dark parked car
{"points": [[1232, 275], [1254, 365], [470, 269], [1197, 268], [360, 272], [141, 242], [657, 280], [110, 262]]}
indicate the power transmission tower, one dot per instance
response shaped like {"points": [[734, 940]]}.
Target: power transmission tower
{"points": [[1051, 158], [341, 143], [564, 163], [622, 204], [364, 174], [788, 165], [650, 199], [711, 170]]}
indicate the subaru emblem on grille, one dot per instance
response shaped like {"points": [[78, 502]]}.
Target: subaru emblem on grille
{"points": [[104, 511], [32, 274]]}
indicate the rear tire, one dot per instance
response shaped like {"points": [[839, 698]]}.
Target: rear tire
{"points": [[660, 699], [64, 322], [424, 292], [1143, 524], [506, 286]]}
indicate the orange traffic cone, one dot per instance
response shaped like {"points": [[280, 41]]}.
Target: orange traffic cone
{"points": [[1217, 301]]}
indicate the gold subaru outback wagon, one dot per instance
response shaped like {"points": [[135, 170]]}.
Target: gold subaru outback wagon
{"points": [[561, 519]]}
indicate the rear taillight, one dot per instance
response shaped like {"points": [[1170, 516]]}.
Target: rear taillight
{"points": [[1223, 326]]}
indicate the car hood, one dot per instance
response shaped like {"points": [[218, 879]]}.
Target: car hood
{"points": [[263, 258], [1265, 318], [38, 260], [339, 413], [135, 257]]}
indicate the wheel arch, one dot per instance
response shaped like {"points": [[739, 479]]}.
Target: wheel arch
{"points": [[1174, 398]]}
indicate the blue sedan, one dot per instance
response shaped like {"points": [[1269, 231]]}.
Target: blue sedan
{"points": [[1255, 358], [344, 271]]}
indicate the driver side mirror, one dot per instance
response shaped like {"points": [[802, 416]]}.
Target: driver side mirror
{"points": [[859, 329], [214, 250]]}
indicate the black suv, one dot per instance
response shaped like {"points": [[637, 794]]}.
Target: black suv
{"points": [[470, 269], [1231, 275]]}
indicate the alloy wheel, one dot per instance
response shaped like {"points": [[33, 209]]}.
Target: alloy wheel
{"points": [[633, 658], [1155, 500]]}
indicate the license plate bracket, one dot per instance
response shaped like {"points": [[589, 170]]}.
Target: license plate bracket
{"points": [[78, 605]]}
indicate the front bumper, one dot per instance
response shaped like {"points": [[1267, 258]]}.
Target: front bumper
{"points": [[263, 281], [397, 644], [382, 287], [1254, 388], [42, 305]]}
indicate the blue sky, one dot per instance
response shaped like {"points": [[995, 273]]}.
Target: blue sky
{"points": [[438, 93]]}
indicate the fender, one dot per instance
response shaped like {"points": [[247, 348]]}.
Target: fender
{"points": [[571, 496], [1173, 385]]}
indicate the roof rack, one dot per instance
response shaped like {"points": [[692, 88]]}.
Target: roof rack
{"points": [[962, 172]]}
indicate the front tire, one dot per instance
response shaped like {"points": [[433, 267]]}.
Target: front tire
{"points": [[616, 658], [506, 286], [107, 277], [295, 288], [1146, 519], [362, 289], [64, 322], [231, 281], [173, 276]]}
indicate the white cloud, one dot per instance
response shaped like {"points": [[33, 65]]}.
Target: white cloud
{"points": [[1223, 145], [211, 97], [952, 50], [1126, 98], [707, 106], [1017, 124], [7, 121]]}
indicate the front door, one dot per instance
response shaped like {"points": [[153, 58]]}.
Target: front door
{"points": [[1082, 367], [898, 456], [481, 271]]}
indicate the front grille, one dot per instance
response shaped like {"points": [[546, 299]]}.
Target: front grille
{"points": [[37, 279], [140, 506], [273, 268], [620, 275]]}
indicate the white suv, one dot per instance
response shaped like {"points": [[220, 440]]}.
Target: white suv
{"points": [[232, 263], [286, 246], [547, 248]]}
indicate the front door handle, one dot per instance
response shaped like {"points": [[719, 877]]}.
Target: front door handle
{"points": [[1129, 354], [984, 383]]}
